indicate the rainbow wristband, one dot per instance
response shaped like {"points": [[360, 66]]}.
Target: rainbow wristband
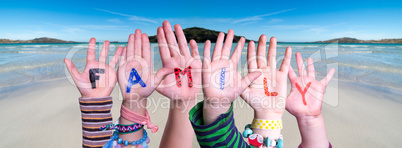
{"points": [[267, 124]]}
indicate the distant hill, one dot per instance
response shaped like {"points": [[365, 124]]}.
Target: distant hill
{"points": [[36, 40], [200, 35], [354, 40]]}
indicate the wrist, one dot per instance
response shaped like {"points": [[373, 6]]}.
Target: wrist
{"points": [[94, 96], [310, 121], [182, 105], [217, 103], [136, 105], [267, 115]]}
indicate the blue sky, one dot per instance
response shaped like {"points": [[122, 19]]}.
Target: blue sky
{"points": [[291, 21]]}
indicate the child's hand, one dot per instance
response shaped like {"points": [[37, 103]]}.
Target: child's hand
{"points": [[175, 54], [233, 84], [305, 101], [97, 79], [220, 94], [306, 94], [267, 94], [136, 68]]}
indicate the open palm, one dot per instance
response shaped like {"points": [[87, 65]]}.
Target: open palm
{"points": [[268, 91], [106, 74], [310, 104], [136, 57], [176, 54], [233, 85]]}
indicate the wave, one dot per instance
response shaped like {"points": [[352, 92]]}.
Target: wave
{"points": [[9, 68], [381, 68]]}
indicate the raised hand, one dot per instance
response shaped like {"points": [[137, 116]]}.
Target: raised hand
{"points": [[306, 94], [233, 85], [267, 94], [135, 74], [185, 83], [219, 94], [98, 79]]}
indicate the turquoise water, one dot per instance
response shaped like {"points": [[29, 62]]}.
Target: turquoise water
{"points": [[374, 64]]}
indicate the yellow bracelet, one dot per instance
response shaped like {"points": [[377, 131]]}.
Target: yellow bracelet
{"points": [[267, 124]]}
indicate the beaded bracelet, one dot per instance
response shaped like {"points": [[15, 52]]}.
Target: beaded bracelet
{"points": [[258, 140], [123, 129], [143, 141]]}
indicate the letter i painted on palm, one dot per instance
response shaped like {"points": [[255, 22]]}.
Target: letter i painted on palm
{"points": [[266, 89], [132, 82], [93, 77], [222, 82], [303, 92]]}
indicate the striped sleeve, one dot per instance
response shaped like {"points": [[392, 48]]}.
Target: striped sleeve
{"points": [[222, 133], [95, 112]]}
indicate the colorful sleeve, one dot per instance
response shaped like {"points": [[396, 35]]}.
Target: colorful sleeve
{"points": [[95, 112], [221, 133]]}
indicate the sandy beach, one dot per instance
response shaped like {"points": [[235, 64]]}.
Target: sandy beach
{"points": [[46, 114]]}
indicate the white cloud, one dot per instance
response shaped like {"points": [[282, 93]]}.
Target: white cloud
{"points": [[117, 21], [289, 26], [131, 17], [272, 21], [259, 17], [99, 27]]}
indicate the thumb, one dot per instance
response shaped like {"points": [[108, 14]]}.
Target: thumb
{"points": [[71, 68], [245, 95], [161, 74], [248, 79]]}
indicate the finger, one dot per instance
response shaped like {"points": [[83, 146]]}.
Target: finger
{"points": [[300, 65], [246, 95], [251, 58], [262, 43], [163, 48], [272, 52], [91, 56], [228, 45], [104, 52], [130, 47], [137, 43], [123, 56], [116, 57], [171, 39], [146, 48], [71, 68], [237, 52], [328, 78], [292, 75], [206, 61], [161, 74], [181, 38], [286, 60], [216, 55], [271, 58], [194, 50], [310, 68], [248, 79]]}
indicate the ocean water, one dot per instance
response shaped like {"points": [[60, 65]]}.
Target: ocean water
{"points": [[373, 64]]}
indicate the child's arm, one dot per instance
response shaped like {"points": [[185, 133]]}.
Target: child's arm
{"points": [[267, 94], [137, 81], [95, 84], [181, 87], [212, 119], [305, 102]]}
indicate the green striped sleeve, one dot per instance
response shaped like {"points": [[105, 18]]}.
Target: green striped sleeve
{"points": [[222, 133]]}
